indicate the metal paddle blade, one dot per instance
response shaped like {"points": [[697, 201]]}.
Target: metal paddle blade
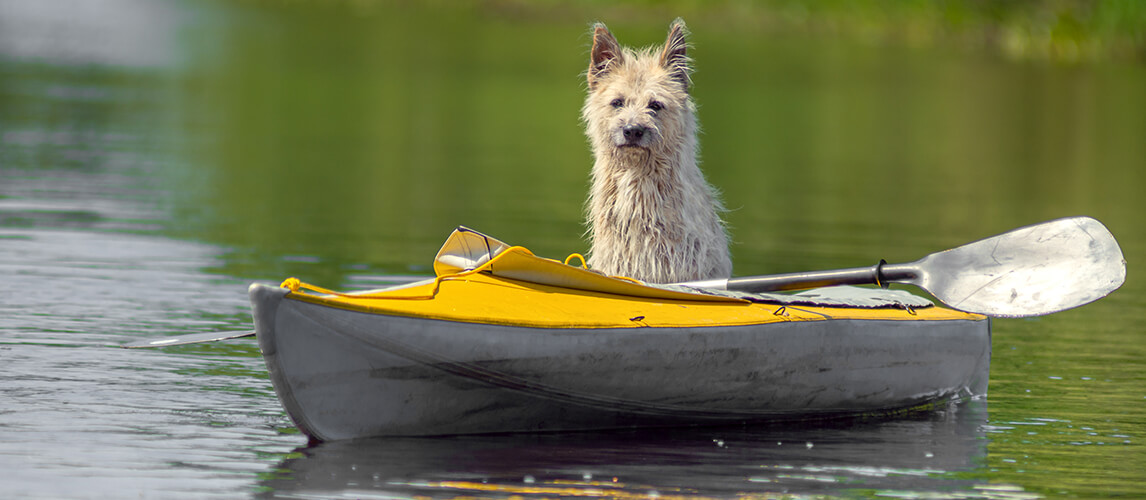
{"points": [[188, 339], [1030, 271]]}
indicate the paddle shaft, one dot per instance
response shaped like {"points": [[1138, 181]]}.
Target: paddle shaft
{"points": [[196, 338], [880, 274]]}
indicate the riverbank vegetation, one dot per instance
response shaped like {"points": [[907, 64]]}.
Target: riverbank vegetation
{"points": [[1065, 31]]}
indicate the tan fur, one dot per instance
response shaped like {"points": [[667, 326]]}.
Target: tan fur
{"points": [[651, 214]]}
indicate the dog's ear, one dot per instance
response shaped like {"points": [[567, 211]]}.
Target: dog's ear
{"points": [[674, 57], [605, 54]]}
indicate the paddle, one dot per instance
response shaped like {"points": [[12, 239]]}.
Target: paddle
{"points": [[1030, 271], [188, 339], [199, 338]]}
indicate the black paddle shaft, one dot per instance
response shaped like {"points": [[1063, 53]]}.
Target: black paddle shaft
{"points": [[880, 274]]}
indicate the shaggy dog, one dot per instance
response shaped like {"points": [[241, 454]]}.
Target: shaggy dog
{"points": [[651, 215]]}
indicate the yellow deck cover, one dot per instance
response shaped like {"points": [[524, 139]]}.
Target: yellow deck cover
{"points": [[561, 296], [480, 298]]}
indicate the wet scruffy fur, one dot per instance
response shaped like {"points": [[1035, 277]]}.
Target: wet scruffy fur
{"points": [[651, 215]]}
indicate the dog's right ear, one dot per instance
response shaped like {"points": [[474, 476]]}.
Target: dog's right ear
{"points": [[606, 53]]}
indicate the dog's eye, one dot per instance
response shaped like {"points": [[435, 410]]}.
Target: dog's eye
{"points": [[656, 105], [618, 102]]}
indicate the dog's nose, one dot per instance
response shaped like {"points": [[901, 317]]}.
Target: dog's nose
{"points": [[633, 133]]}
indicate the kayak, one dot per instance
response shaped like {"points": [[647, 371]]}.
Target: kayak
{"points": [[501, 340]]}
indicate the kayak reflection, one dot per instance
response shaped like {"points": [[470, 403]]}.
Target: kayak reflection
{"points": [[930, 451]]}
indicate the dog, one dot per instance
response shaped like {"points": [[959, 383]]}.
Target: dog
{"points": [[651, 214]]}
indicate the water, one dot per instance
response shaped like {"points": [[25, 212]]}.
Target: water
{"points": [[155, 158]]}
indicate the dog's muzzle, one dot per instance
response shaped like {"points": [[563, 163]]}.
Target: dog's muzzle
{"points": [[634, 135]]}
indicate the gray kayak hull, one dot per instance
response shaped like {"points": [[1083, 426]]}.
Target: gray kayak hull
{"points": [[344, 374]]}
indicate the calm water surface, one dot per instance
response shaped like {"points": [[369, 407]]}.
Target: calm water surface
{"points": [[155, 158]]}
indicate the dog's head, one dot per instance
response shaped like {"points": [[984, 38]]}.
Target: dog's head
{"points": [[638, 100]]}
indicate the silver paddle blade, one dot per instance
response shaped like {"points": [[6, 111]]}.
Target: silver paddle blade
{"points": [[1031, 271]]}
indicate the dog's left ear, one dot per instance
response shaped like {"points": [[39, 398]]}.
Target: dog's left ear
{"points": [[673, 56]]}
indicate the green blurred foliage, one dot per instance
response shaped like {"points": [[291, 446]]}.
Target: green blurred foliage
{"points": [[1059, 30]]}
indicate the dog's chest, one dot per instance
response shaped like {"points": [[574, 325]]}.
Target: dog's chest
{"points": [[645, 201]]}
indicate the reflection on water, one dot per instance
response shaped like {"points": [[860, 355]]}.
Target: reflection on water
{"points": [[936, 452], [155, 158]]}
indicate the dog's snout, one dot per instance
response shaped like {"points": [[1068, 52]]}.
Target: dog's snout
{"points": [[634, 133]]}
